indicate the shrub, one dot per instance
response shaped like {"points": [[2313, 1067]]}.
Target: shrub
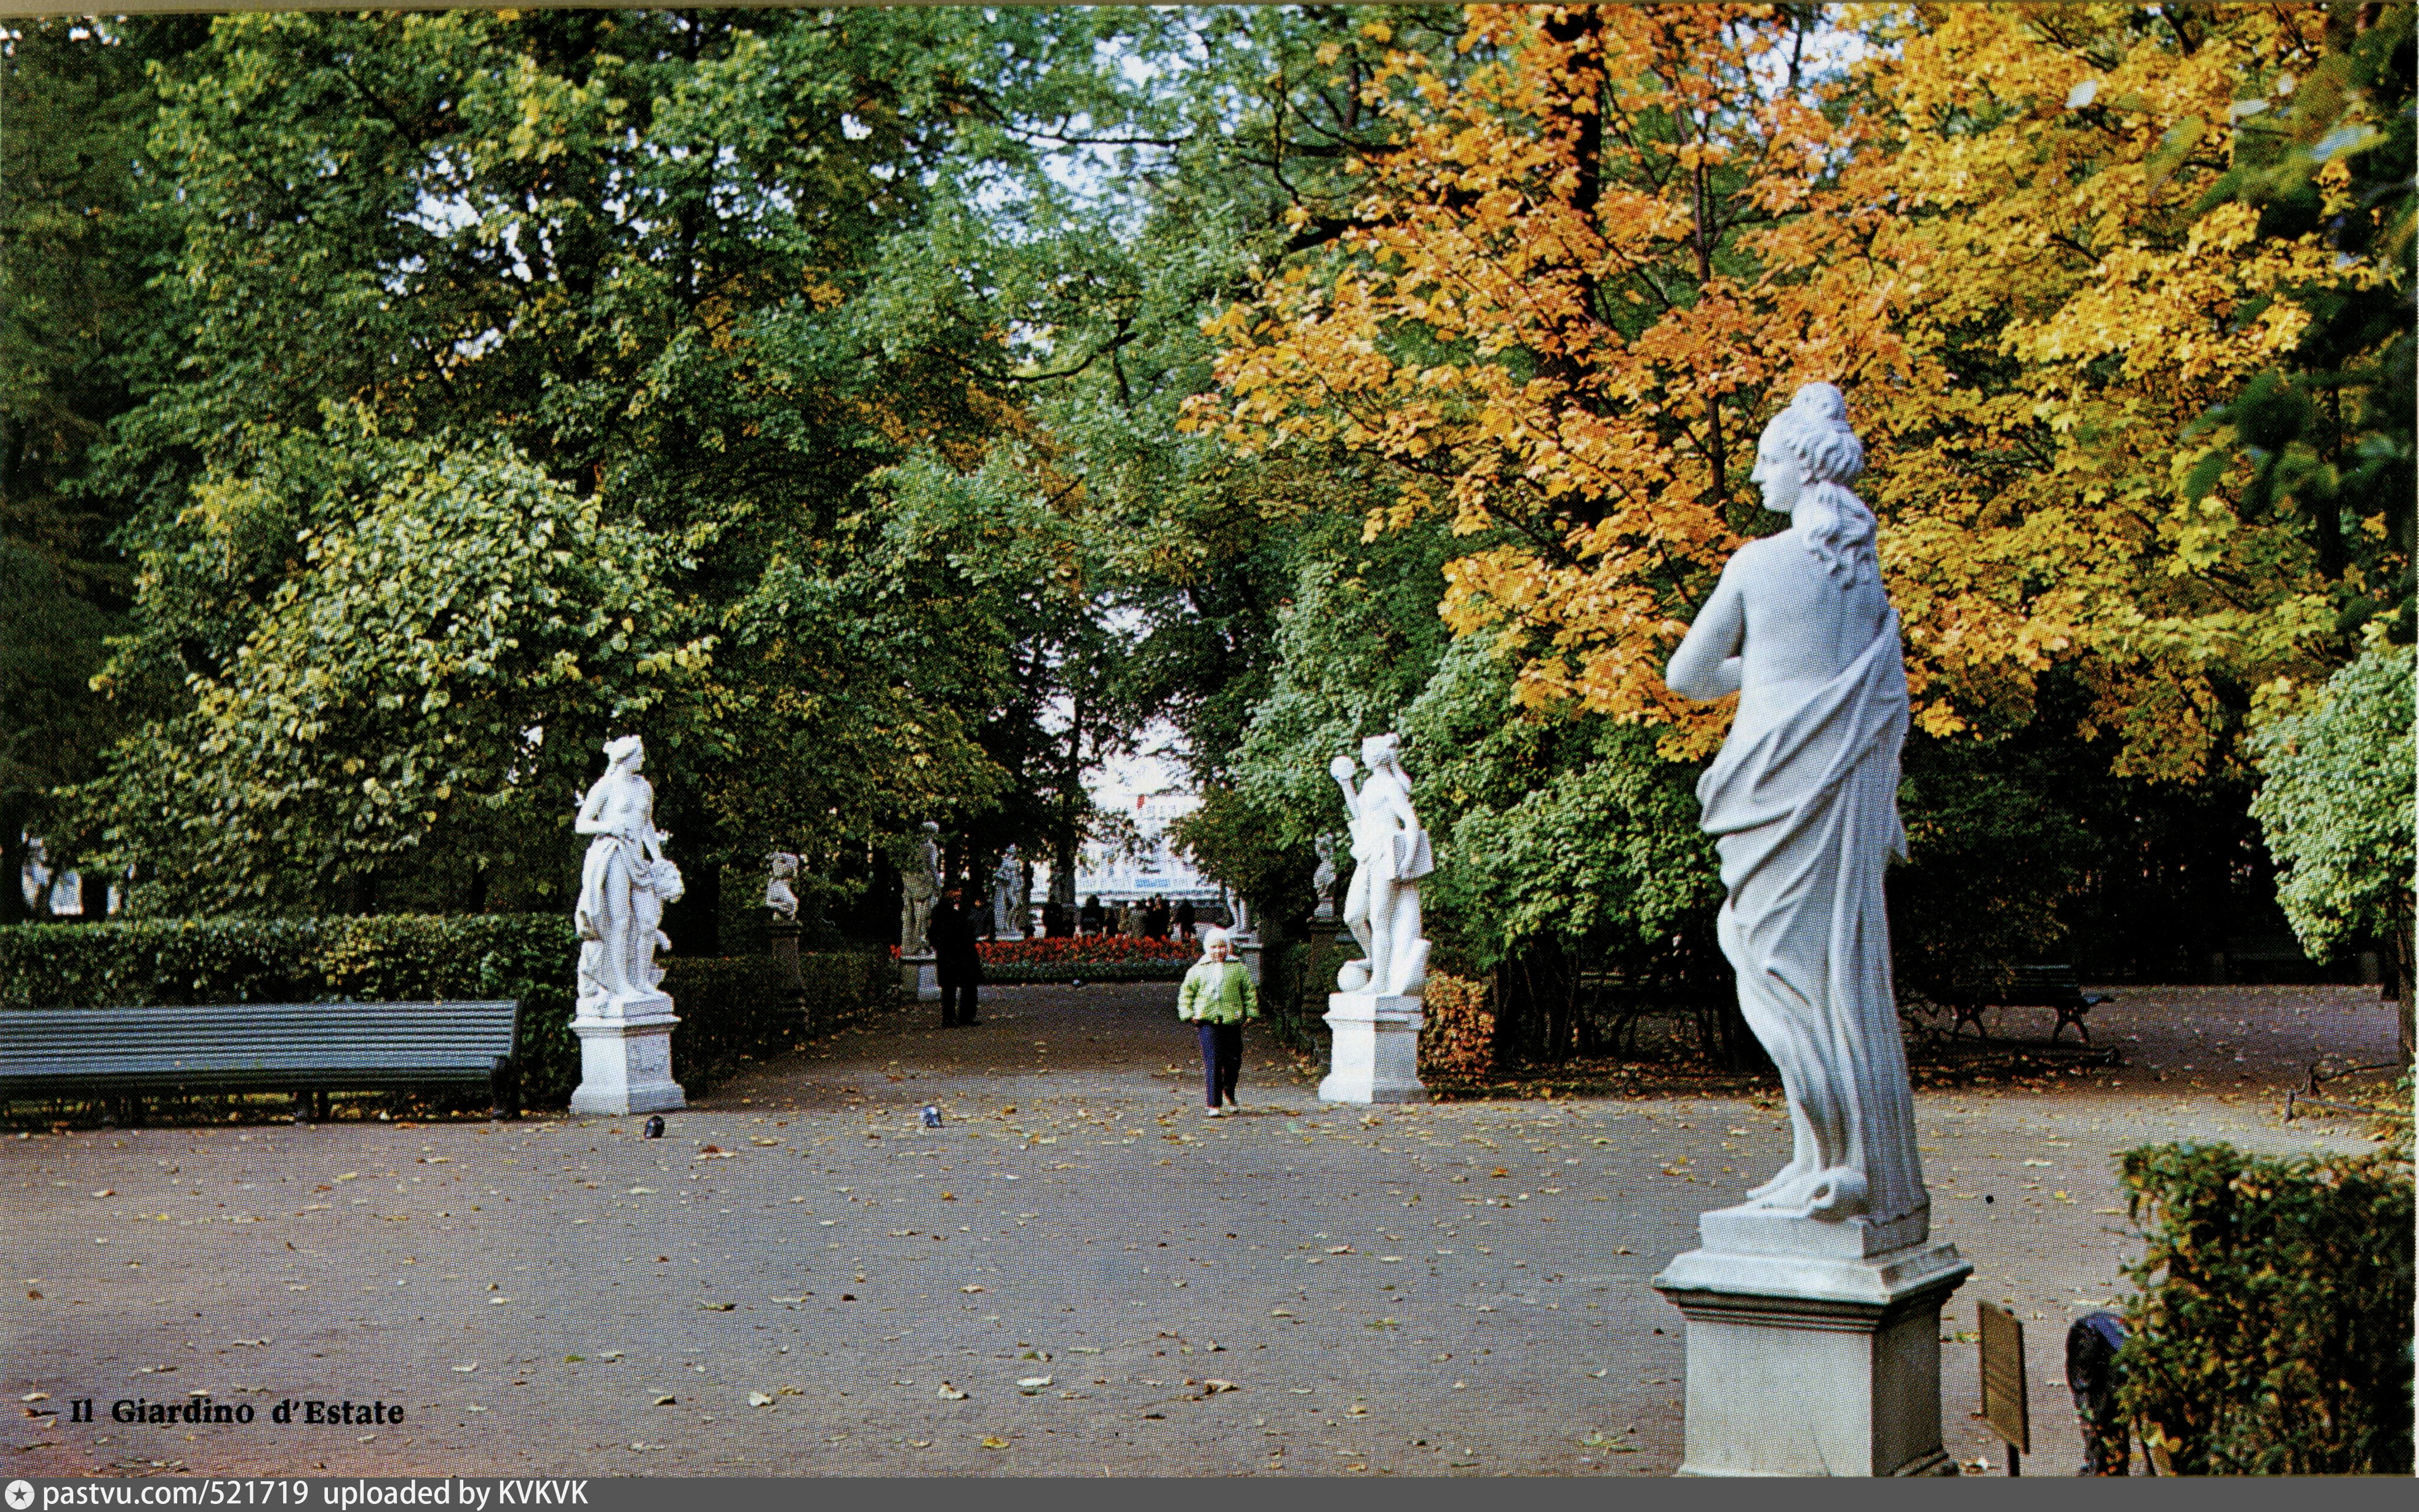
{"points": [[1458, 1040], [2271, 1335], [730, 1008]]}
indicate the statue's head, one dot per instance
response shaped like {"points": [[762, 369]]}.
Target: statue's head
{"points": [[1813, 432], [932, 826], [629, 752], [1806, 460], [1382, 751]]}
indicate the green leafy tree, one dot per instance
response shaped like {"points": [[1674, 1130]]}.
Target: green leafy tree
{"points": [[2336, 804], [76, 250], [370, 656]]}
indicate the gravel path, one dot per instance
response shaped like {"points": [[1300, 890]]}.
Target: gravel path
{"points": [[1076, 1272]]}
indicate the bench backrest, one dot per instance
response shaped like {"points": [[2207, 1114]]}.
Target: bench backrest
{"points": [[260, 1036]]}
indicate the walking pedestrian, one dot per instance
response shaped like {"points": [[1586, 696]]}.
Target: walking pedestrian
{"points": [[1217, 996], [956, 964]]}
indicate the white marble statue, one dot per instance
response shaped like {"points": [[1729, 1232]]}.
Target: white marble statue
{"points": [[1008, 897], [624, 885], [778, 895], [918, 884], [1803, 806], [1390, 855]]}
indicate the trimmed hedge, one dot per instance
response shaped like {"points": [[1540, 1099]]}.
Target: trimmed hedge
{"points": [[731, 1009], [2272, 1336]]}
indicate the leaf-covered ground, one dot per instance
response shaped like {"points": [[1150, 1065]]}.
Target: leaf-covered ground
{"points": [[1075, 1272]]}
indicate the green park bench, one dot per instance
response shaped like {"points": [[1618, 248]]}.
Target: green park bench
{"points": [[2052, 987], [306, 1050]]}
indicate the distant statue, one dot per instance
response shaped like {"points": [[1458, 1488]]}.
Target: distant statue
{"points": [[624, 882], [1322, 881], [778, 895], [1008, 897], [1390, 855], [1803, 806], [918, 884]]}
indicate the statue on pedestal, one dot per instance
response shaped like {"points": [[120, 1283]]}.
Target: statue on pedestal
{"points": [[1390, 855], [778, 895], [1322, 880], [624, 884], [1008, 898], [920, 882], [1803, 806]]}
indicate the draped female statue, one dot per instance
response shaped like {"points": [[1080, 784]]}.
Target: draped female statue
{"points": [[1389, 853], [1803, 806], [624, 884], [920, 882]]}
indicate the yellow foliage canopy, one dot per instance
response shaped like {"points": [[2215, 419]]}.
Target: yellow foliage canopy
{"points": [[1582, 277]]}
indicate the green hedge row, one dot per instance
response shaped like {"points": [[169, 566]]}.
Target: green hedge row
{"points": [[2272, 1336], [732, 1008]]}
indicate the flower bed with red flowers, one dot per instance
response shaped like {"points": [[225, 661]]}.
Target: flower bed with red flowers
{"points": [[1085, 958]]}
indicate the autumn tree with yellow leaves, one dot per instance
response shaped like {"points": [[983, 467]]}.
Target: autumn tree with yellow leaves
{"points": [[1580, 282]]}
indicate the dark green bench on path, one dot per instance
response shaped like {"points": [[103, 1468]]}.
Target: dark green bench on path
{"points": [[2044, 986], [307, 1050]]}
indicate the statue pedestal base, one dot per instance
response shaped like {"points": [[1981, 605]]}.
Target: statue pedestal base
{"points": [[1820, 1362], [782, 943], [1249, 951], [625, 1057], [1375, 1055], [919, 981]]}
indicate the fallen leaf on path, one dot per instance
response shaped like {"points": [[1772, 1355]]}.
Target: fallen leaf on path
{"points": [[668, 1401], [949, 1393], [466, 1369], [1213, 1386], [758, 1399], [994, 1443], [717, 1306]]}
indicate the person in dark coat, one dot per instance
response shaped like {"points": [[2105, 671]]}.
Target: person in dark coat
{"points": [[1089, 920], [1154, 919], [1053, 920], [956, 964], [1185, 919]]}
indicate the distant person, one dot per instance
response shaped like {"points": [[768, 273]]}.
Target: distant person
{"points": [[1185, 919], [1089, 920], [1154, 919], [956, 964], [1053, 919], [1216, 998]]}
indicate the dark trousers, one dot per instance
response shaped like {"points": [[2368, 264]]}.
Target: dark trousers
{"points": [[957, 1003], [1222, 1061]]}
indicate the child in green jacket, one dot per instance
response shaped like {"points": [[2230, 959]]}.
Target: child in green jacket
{"points": [[1217, 996]]}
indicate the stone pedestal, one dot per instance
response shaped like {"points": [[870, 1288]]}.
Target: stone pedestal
{"points": [[781, 944], [919, 981], [1813, 1348], [1249, 951], [1375, 1053], [625, 1057]]}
